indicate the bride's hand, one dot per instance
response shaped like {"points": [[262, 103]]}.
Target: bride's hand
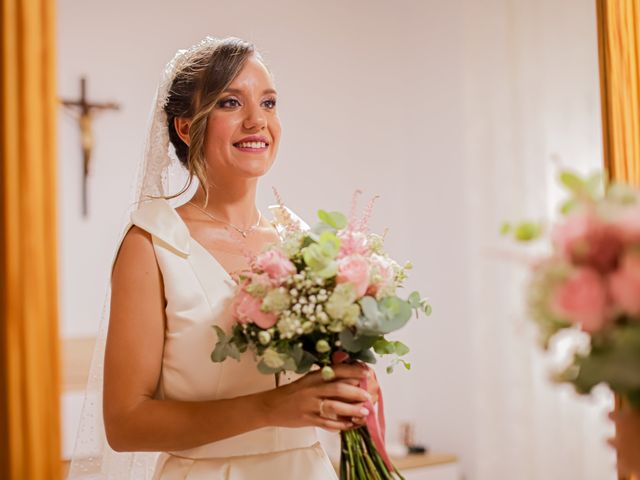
{"points": [[373, 387], [337, 404]]}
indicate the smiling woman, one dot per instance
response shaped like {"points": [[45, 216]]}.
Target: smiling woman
{"points": [[172, 280], [217, 108]]}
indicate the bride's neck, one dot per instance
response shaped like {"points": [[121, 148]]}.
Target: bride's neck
{"points": [[233, 202]]}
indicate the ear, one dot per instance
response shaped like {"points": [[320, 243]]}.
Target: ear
{"points": [[182, 126]]}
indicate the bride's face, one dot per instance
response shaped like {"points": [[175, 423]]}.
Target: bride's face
{"points": [[247, 108]]}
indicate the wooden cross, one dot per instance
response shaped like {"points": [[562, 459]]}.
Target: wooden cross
{"points": [[86, 110]]}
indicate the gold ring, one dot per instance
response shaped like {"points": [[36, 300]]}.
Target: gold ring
{"points": [[321, 408]]}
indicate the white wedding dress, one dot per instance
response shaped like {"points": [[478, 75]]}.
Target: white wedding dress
{"points": [[198, 292]]}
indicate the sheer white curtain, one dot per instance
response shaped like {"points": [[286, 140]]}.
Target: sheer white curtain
{"points": [[531, 101]]}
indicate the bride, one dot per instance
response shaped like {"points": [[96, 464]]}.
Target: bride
{"points": [[172, 280]]}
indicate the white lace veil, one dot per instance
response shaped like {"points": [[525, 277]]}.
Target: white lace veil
{"points": [[160, 174]]}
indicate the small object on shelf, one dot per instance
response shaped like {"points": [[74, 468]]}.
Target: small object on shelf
{"points": [[417, 449], [407, 433]]}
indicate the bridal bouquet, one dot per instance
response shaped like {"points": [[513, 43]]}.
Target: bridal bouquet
{"points": [[591, 281], [321, 297]]}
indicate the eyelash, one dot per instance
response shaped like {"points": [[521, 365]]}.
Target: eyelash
{"points": [[222, 103]]}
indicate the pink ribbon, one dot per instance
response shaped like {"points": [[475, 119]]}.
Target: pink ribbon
{"points": [[375, 423]]}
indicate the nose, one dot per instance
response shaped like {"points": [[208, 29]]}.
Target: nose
{"points": [[255, 117]]}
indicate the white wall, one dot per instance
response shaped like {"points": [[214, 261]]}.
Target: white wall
{"points": [[370, 95], [531, 96]]}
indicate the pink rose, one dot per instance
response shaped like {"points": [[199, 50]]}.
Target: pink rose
{"points": [[352, 243], [275, 264], [582, 299], [261, 282], [382, 274], [354, 270], [585, 239], [624, 284], [628, 224], [246, 308]]}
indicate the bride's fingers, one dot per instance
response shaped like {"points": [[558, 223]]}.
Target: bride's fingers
{"points": [[345, 371], [341, 409], [351, 381], [359, 420], [330, 424], [342, 391]]}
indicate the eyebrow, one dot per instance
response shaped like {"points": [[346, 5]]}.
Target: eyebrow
{"points": [[237, 90]]}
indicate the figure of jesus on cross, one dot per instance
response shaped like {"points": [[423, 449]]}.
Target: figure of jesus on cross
{"points": [[86, 109]]}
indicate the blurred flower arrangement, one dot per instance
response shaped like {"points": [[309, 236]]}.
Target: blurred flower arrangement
{"points": [[591, 281], [325, 296]]}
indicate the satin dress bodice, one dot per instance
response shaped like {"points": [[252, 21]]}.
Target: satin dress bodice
{"points": [[198, 293]]}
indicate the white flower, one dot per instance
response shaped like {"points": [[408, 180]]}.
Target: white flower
{"points": [[322, 346], [264, 337], [276, 300]]}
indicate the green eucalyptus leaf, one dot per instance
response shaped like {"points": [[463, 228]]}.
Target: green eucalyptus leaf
{"points": [[222, 348], [370, 309], [222, 335], [400, 348], [387, 347], [365, 356], [336, 220], [572, 181], [397, 313], [219, 353], [233, 351], [384, 347], [354, 343], [329, 243], [329, 271], [267, 370], [527, 231], [303, 359], [289, 363], [414, 299], [385, 316], [568, 206]]}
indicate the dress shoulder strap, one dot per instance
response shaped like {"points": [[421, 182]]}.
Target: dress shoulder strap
{"points": [[161, 220]]}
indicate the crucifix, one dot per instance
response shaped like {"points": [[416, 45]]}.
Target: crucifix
{"points": [[85, 110]]}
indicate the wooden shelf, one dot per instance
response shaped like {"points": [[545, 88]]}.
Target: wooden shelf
{"points": [[420, 460]]}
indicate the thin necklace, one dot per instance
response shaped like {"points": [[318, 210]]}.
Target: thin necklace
{"points": [[242, 232]]}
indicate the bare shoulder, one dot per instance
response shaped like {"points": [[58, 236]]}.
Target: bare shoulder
{"points": [[136, 258]]}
